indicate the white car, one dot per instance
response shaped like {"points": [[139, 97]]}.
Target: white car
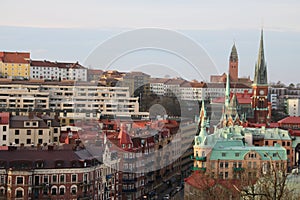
{"points": [[167, 196]]}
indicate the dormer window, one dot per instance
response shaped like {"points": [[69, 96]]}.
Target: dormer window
{"points": [[59, 163], [34, 124], [27, 124], [39, 164]]}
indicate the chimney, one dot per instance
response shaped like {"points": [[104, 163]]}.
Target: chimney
{"points": [[31, 115]]}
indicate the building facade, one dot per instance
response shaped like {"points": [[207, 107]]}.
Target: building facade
{"points": [[15, 65], [56, 71]]}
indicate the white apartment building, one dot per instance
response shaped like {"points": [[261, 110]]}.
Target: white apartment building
{"points": [[274, 101], [293, 107], [47, 70], [157, 86], [84, 101], [23, 97], [216, 90]]}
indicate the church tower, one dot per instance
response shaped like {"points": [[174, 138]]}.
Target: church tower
{"points": [[260, 88], [234, 65]]}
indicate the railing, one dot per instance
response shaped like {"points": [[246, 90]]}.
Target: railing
{"points": [[199, 169], [238, 169], [129, 180], [129, 190], [203, 158]]}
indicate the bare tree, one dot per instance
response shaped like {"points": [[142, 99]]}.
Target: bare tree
{"points": [[272, 185]]}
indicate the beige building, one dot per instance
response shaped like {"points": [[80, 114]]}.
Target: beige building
{"points": [[32, 130]]}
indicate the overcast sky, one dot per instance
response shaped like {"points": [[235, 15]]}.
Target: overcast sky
{"points": [[70, 30]]}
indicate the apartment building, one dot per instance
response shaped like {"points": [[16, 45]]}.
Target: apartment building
{"points": [[71, 100], [15, 65], [146, 154], [56, 71], [32, 130], [4, 129], [55, 174], [22, 97]]}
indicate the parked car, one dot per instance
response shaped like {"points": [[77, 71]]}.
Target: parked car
{"points": [[167, 196]]}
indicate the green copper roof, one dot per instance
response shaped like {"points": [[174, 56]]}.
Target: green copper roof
{"points": [[235, 150]]}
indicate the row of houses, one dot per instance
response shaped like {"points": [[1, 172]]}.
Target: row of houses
{"points": [[18, 65]]}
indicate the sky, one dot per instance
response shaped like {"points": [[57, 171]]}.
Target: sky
{"points": [[72, 30]]}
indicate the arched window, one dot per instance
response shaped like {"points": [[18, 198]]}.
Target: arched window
{"points": [[2, 191], [19, 192], [73, 189], [62, 190], [54, 190]]}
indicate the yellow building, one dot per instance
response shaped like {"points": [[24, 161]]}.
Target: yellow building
{"points": [[15, 65]]}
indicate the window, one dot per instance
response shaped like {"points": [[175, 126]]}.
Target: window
{"points": [[237, 154], [17, 132], [223, 154], [4, 137], [27, 123], [54, 178], [17, 141], [55, 130], [226, 164], [61, 190], [221, 164], [54, 191], [46, 179], [266, 143], [288, 152], [62, 178], [28, 132], [20, 180], [40, 141], [34, 124], [28, 141], [4, 128], [288, 144], [73, 190], [19, 193], [283, 143], [74, 178], [40, 132]]}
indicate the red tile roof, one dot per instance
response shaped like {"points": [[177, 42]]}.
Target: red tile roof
{"points": [[202, 182], [123, 135], [46, 63], [295, 133], [15, 57], [290, 120], [243, 98]]}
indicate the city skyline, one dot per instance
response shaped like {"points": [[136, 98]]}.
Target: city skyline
{"points": [[50, 31]]}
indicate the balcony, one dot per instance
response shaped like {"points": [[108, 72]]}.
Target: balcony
{"points": [[238, 169], [203, 158], [129, 180], [129, 190], [203, 169]]}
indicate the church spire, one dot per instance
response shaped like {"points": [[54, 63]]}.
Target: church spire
{"points": [[260, 77], [233, 54], [227, 92]]}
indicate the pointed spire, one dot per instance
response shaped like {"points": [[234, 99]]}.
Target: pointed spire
{"points": [[227, 92], [123, 135], [260, 76], [233, 54]]}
